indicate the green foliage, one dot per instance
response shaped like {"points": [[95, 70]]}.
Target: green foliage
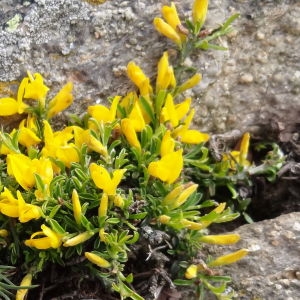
{"points": [[91, 189]]}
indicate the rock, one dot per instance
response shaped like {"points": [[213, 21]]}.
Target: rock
{"points": [[255, 80], [271, 269]]}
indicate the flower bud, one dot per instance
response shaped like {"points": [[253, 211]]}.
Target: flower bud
{"points": [[225, 239], [26, 281], [97, 260], [78, 239], [191, 272], [228, 258]]}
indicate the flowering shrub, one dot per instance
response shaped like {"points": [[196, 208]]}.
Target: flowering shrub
{"points": [[90, 189]]}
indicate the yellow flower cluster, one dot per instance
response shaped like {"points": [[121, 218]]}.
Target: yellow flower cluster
{"points": [[33, 88], [74, 183], [53, 149], [171, 26]]}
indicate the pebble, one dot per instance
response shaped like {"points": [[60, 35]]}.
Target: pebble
{"points": [[296, 226], [246, 78], [260, 36]]}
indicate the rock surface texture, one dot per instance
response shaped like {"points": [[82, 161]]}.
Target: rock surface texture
{"points": [[272, 268], [257, 80]]}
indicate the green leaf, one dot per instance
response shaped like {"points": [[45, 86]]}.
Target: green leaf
{"points": [[190, 25], [138, 216], [3, 294], [54, 210], [229, 21], [82, 176], [227, 216], [113, 220], [39, 183], [160, 101], [205, 45], [10, 142], [147, 107], [233, 191], [219, 278], [215, 289], [146, 136], [183, 282], [55, 226], [129, 278], [125, 291], [247, 218], [121, 159], [134, 239]]}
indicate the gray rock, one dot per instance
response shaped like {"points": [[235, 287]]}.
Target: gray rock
{"points": [[255, 80], [272, 268]]}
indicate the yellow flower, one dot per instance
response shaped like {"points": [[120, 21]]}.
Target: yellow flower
{"points": [[97, 260], [9, 205], [77, 212], [190, 83], [10, 106], [170, 27], [57, 146], [220, 208], [239, 156], [137, 76], [93, 143], [79, 239], [127, 128], [48, 239], [190, 136], [18, 208], [168, 168], [61, 101], [27, 211], [23, 169], [127, 103], [168, 112], [103, 179], [67, 154], [118, 201], [102, 235], [164, 219], [4, 149], [224, 239], [244, 148], [26, 281], [35, 88], [165, 74], [171, 16], [27, 136], [167, 144], [102, 113], [102, 211], [199, 11], [20, 166], [179, 195], [191, 272], [136, 118], [174, 113], [167, 30], [194, 225], [228, 258]]}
